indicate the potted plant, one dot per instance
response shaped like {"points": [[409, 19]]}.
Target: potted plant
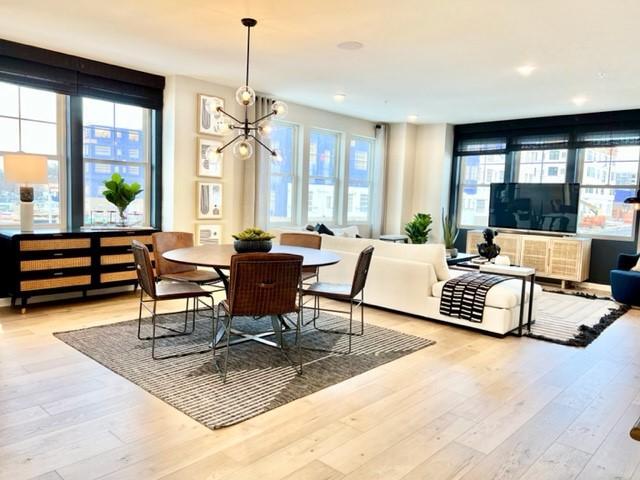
{"points": [[120, 194], [252, 240], [449, 235], [419, 227]]}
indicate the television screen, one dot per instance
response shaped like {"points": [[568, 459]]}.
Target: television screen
{"points": [[548, 207]]}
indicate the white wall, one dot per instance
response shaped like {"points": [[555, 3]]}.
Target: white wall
{"points": [[179, 159], [418, 174]]}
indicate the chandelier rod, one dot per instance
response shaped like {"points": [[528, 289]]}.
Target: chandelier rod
{"points": [[246, 81]]}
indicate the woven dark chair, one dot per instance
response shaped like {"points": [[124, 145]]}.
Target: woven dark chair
{"points": [[345, 293], [309, 274], [157, 292], [262, 284]]}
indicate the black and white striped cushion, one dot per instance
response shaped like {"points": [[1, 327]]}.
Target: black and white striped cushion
{"points": [[464, 296]]}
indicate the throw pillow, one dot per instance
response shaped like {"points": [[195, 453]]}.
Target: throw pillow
{"points": [[321, 228]]}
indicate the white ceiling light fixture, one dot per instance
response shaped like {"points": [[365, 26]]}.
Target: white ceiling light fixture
{"points": [[339, 97], [526, 70], [246, 96], [412, 118], [350, 45], [579, 100]]}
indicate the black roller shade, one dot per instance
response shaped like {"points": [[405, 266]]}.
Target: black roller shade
{"points": [[71, 75]]}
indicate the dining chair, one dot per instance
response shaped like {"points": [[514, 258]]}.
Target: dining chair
{"points": [[344, 292], [156, 292], [179, 272], [262, 284], [309, 274]]}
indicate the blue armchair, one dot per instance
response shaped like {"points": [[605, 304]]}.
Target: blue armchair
{"points": [[625, 283]]}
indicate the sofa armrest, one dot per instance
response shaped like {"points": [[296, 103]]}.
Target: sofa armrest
{"points": [[626, 261]]}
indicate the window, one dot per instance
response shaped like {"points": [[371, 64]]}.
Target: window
{"points": [[608, 176], [32, 121], [115, 140], [481, 164], [359, 179], [542, 159], [323, 179], [284, 138]]}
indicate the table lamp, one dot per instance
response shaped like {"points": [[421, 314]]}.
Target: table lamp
{"points": [[27, 170]]}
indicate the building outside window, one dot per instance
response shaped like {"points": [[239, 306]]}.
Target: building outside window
{"points": [[32, 121], [359, 181], [323, 175], [608, 176], [284, 139], [115, 140], [478, 170]]}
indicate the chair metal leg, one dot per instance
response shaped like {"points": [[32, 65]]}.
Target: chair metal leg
{"points": [[153, 331], [140, 315], [350, 323]]}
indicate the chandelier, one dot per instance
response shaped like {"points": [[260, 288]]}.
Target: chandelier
{"points": [[245, 129]]}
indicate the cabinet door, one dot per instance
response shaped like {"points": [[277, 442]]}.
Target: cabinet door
{"points": [[509, 246], [535, 253], [566, 259]]}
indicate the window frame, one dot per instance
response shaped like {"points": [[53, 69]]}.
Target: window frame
{"points": [[338, 186], [147, 163], [295, 176], [370, 181], [580, 153], [60, 156]]}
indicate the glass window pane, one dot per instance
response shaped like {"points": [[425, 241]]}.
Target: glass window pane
{"points": [[474, 206], [37, 104], [360, 164], [542, 166], [282, 140], [623, 173], [603, 212], [97, 112], [323, 153], [9, 135], [482, 169], [38, 137], [129, 116], [9, 100], [97, 210], [281, 199], [321, 199]]}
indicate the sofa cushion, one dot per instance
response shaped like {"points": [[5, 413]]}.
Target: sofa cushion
{"points": [[502, 295]]}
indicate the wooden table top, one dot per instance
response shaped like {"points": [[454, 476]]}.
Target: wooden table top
{"points": [[219, 256]]}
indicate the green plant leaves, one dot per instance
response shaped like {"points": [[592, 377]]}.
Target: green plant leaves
{"points": [[449, 231], [419, 227], [253, 233], [120, 193]]}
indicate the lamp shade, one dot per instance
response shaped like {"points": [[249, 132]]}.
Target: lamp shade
{"points": [[23, 168]]}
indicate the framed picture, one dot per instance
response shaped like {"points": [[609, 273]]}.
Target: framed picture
{"points": [[207, 121], [209, 160], [208, 234], [209, 200]]}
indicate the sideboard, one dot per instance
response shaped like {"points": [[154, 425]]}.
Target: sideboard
{"points": [[562, 258], [58, 261]]}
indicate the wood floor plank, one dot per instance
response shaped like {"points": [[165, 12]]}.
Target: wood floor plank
{"points": [[315, 470], [559, 462], [449, 463]]}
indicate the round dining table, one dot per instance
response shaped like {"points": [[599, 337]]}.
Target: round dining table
{"points": [[218, 257]]}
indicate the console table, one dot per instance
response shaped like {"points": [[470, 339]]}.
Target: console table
{"points": [[58, 261]]}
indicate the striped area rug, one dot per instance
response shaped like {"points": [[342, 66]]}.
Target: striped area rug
{"points": [[573, 318], [259, 378]]}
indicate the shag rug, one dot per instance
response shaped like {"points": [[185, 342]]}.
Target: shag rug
{"points": [[259, 377], [573, 318]]}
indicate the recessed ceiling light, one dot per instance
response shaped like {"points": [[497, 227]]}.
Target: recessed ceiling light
{"points": [[602, 75], [579, 100], [412, 118], [350, 45], [339, 97], [526, 70]]}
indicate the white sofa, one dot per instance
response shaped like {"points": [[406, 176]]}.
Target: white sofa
{"points": [[409, 279]]}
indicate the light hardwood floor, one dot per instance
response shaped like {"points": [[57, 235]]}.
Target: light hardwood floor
{"points": [[472, 407]]}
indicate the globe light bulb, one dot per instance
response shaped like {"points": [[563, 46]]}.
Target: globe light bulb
{"points": [[280, 109], [242, 150], [245, 96], [265, 129]]}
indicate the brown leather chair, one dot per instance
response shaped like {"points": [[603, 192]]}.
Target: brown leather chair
{"points": [[157, 292], [262, 284], [168, 270], [345, 293], [309, 274]]}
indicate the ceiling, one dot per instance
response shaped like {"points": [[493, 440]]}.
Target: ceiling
{"points": [[442, 60]]}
